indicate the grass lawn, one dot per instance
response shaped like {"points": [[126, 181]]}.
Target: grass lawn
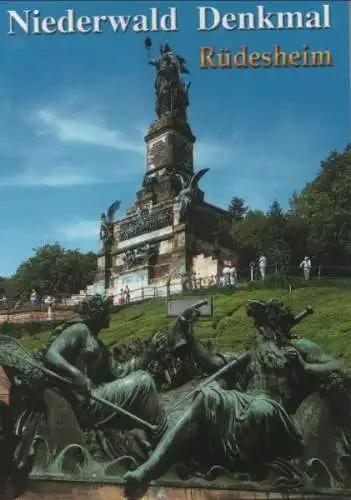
{"points": [[231, 329]]}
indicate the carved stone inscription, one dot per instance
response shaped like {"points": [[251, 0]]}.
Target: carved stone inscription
{"points": [[159, 153], [182, 151], [146, 223], [171, 148], [140, 255]]}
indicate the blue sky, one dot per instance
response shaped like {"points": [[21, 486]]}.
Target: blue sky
{"points": [[75, 109]]}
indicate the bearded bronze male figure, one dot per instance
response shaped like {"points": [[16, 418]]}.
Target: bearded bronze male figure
{"points": [[249, 416]]}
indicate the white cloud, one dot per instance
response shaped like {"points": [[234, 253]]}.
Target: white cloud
{"points": [[88, 130], [54, 151], [53, 178], [79, 229], [210, 152], [260, 168]]}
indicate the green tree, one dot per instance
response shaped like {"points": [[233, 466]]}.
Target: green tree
{"points": [[54, 270], [237, 208], [276, 225], [277, 247], [2, 285], [7, 286], [250, 235], [324, 206], [296, 237]]}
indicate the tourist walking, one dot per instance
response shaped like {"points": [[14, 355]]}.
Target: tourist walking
{"points": [[127, 294], [226, 274], [306, 266], [262, 263], [34, 298], [233, 275], [194, 281]]}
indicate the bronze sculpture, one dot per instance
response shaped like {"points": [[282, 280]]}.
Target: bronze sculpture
{"points": [[188, 192], [80, 369], [255, 417], [78, 353], [172, 93], [107, 238], [106, 224]]}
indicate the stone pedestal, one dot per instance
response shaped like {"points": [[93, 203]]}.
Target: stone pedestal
{"points": [[170, 151], [169, 144], [151, 244], [65, 490]]}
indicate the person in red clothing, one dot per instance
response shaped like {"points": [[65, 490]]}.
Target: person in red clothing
{"points": [[121, 297]]}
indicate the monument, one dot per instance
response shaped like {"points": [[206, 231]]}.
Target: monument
{"points": [[272, 418], [170, 230]]}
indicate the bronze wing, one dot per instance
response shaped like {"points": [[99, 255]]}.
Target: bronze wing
{"points": [[112, 209], [197, 176]]}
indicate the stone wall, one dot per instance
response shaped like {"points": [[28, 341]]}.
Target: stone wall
{"points": [[166, 246], [46, 490], [28, 316], [4, 386], [146, 238], [204, 267]]}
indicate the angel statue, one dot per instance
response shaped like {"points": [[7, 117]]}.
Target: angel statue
{"points": [[106, 224], [188, 192]]}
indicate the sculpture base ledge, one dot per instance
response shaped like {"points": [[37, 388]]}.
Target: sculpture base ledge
{"points": [[71, 490]]}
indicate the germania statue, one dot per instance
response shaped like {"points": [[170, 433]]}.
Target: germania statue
{"points": [[172, 92]]}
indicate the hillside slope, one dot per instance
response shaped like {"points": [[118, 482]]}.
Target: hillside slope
{"points": [[230, 328]]}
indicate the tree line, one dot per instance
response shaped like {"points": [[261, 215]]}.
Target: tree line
{"points": [[52, 270], [317, 223]]}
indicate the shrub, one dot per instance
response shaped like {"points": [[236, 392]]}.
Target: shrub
{"points": [[10, 329], [276, 281], [31, 328]]}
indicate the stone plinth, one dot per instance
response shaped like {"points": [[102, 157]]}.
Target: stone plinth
{"points": [[4, 386], [208, 240], [26, 316], [151, 244], [170, 151], [169, 143], [46, 490], [154, 246]]}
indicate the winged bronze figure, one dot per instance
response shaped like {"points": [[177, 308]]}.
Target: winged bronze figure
{"points": [[106, 221], [188, 191]]}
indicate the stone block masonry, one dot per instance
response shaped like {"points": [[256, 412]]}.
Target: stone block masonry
{"points": [[170, 230], [4, 386], [46, 490]]}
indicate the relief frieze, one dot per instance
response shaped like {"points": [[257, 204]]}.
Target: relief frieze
{"points": [[145, 222]]}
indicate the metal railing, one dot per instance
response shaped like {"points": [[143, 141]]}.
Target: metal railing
{"points": [[183, 284], [244, 277]]}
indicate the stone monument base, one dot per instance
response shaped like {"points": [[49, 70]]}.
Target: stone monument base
{"points": [[59, 490]]}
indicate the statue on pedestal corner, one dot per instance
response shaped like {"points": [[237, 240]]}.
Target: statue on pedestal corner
{"points": [[106, 224], [188, 192]]}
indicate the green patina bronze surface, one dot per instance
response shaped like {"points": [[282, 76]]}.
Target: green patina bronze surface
{"points": [[273, 417]]}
